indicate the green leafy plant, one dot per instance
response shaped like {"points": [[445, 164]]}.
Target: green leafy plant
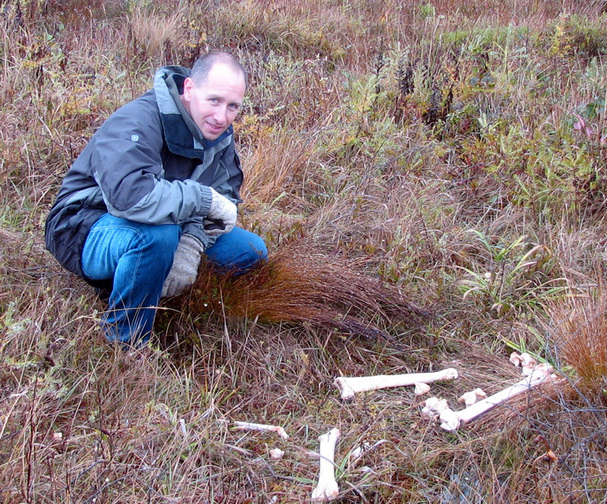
{"points": [[516, 277]]}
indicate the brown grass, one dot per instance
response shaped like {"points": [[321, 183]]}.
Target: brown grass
{"points": [[154, 33], [299, 286], [369, 154], [578, 334]]}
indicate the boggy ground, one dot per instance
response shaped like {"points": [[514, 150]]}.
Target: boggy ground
{"points": [[430, 180]]}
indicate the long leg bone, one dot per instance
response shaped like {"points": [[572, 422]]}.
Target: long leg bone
{"points": [[262, 427], [451, 420], [539, 375], [327, 488], [349, 386]]}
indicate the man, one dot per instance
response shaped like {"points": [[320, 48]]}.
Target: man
{"points": [[156, 187]]}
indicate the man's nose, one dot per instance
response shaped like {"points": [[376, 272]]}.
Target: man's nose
{"points": [[221, 115]]}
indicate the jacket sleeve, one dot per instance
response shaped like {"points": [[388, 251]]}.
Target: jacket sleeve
{"points": [[127, 166]]}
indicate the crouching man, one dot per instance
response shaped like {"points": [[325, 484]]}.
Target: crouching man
{"points": [[156, 187]]}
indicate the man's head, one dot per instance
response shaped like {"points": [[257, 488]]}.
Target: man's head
{"points": [[214, 93]]}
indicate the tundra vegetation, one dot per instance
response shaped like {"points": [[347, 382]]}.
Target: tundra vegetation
{"points": [[430, 178]]}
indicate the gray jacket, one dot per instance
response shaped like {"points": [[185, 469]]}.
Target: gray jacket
{"points": [[147, 163]]}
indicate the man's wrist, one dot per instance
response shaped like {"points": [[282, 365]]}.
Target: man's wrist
{"points": [[206, 197]]}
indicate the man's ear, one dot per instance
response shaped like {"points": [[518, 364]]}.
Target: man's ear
{"points": [[188, 85]]}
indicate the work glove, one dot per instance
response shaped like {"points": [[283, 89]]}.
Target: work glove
{"points": [[222, 215], [185, 266]]}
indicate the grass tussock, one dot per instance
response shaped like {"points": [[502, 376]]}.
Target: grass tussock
{"points": [[316, 290], [578, 335]]}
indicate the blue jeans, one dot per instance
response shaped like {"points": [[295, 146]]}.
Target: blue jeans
{"points": [[135, 259]]}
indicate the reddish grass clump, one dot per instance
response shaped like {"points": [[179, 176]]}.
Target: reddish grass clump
{"points": [[579, 331], [300, 286]]}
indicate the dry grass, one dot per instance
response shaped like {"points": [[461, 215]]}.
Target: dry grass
{"points": [[577, 328], [388, 179], [298, 286], [154, 33]]}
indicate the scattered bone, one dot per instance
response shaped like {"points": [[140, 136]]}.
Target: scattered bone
{"points": [[262, 427], [327, 488], [358, 452], [451, 420], [436, 408], [539, 375], [349, 386], [432, 407], [421, 388], [276, 453], [524, 361], [469, 398]]}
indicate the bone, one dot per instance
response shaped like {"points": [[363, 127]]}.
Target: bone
{"points": [[276, 453], [433, 407], [349, 386], [436, 408], [327, 488], [358, 452], [524, 361], [262, 427], [421, 388], [451, 420], [469, 398]]}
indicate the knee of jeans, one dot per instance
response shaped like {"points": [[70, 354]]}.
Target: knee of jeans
{"points": [[164, 241], [258, 252], [260, 249]]}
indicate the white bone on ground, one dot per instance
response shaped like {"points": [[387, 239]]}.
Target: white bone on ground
{"points": [[539, 375], [532, 366], [262, 427], [276, 453], [327, 487], [349, 386], [449, 420], [525, 361], [433, 406], [421, 388], [358, 452], [439, 408], [469, 398]]}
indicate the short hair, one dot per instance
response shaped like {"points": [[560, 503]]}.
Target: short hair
{"points": [[203, 65]]}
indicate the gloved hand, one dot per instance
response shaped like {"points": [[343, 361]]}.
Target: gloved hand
{"points": [[222, 215], [185, 266]]}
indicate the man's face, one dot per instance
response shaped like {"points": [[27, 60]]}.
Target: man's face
{"points": [[214, 103]]}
